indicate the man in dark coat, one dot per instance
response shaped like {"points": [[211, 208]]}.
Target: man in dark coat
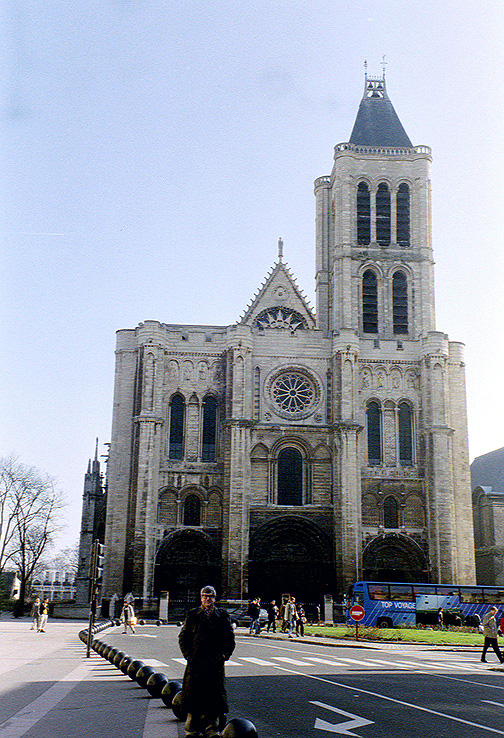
{"points": [[206, 641]]}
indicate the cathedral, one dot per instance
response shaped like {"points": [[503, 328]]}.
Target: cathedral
{"points": [[297, 452]]}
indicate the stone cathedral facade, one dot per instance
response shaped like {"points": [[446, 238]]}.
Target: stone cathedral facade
{"points": [[299, 452]]}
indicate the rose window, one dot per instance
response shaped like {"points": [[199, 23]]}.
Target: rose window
{"points": [[280, 317], [292, 392]]}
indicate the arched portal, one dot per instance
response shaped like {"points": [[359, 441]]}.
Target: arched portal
{"points": [[291, 555], [185, 562], [394, 558]]}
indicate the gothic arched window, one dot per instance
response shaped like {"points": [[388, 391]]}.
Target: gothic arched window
{"points": [[176, 442], [390, 513], [363, 214], [192, 509], [369, 302], [403, 215], [373, 417], [209, 428], [383, 215], [290, 477], [405, 420], [400, 303]]}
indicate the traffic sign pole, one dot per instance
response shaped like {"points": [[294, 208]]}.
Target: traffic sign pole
{"points": [[357, 613]]}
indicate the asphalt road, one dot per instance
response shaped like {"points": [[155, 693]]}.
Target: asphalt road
{"points": [[287, 688]]}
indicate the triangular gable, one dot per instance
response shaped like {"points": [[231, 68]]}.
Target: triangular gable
{"points": [[278, 296]]}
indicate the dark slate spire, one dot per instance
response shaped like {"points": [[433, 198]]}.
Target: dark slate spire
{"points": [[377, 123]]}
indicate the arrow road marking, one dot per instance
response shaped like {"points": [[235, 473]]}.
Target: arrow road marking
{"points": [[341, 728]]}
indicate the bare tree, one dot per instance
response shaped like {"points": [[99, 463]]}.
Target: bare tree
{"points": [[66, 560], [30, 516]]}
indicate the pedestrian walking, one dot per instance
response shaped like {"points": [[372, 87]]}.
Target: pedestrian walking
{"points": [[440, 618], [35, 614], [272, 616], [300, 620], [128, 617], [290, 615], [206, 641], [254, 611], [490, 633], [44, 614]]}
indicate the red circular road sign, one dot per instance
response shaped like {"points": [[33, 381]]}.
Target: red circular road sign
{"points": [[357, 612]]}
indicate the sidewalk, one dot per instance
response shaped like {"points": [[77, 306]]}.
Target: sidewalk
{"points": [[48, 685]]}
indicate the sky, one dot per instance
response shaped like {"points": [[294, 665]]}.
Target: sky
{"points": [[153, 153]]}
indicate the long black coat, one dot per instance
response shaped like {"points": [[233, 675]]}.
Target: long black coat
{"points": [[206, 641]]}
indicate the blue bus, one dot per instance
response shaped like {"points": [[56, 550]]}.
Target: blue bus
{"points": [[396, 604]]}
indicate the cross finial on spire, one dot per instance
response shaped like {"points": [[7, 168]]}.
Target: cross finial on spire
{"points": [[365, 68], [383, 65], [280, 249]]}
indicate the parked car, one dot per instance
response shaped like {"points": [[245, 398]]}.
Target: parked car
{"points": [[240, 618]]}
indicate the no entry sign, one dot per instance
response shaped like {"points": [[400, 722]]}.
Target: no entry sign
{"points": [[357, 612]]}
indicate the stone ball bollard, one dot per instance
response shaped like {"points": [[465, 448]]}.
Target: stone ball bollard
{"points": [[135, 665], [239, 728], [155, 684], [112, 654], [143, 674], [179, 710], [159, 622], [118, 658], [105, 652], [169, 691], [125, 662]]}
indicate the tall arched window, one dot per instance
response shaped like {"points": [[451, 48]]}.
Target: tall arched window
{"points": [[403, 215], [383, 215], [290, 477], [390, 513], [373, 414], [405, 420], [209, 428], [363, 214], [192, 508], [369, 302], [400, 303], [177, 412]]}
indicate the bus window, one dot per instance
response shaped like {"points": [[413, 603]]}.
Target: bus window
{"points": [[401, 592], [378, 591], [424, 589], [493, 596], [471, 595], [447, 591]]}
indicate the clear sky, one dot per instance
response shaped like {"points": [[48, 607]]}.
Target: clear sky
{"points": [[155, 151]]}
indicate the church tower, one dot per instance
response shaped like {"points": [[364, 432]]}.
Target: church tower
{"points": [[399, 394], [295, 452]]}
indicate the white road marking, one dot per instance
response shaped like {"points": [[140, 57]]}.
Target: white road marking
{"points": [[144, 635], [324, 661], [341, 728], [184, 662], [499, 704], [259, 662], [354, 661], [24, 720], [391, 699], [286, 660], [153, 662]]}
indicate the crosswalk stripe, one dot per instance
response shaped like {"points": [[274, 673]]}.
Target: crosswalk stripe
{"points": [[259, 662], [354, 661], [324, 661], [286, 660], [230, 663]]}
